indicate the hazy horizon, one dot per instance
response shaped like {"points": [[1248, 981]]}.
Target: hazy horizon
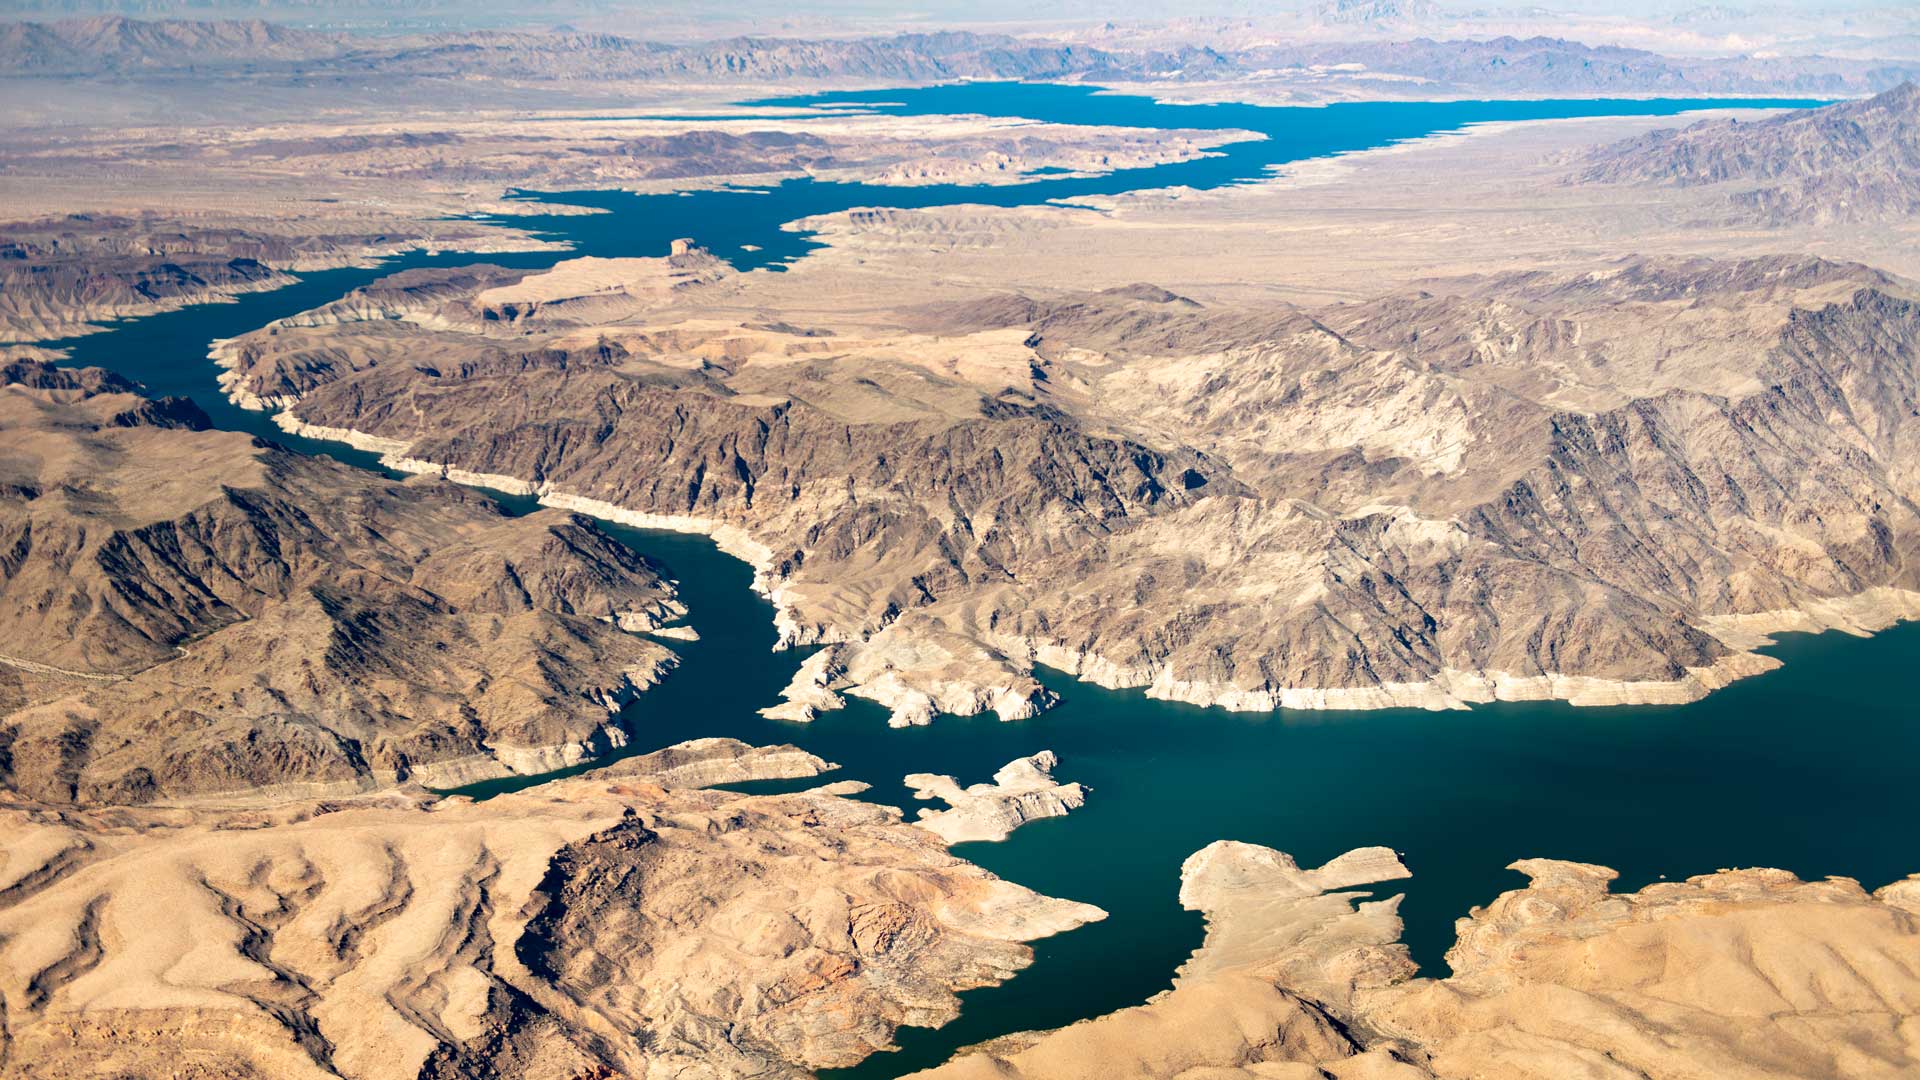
{"points": [[1682, 26]]}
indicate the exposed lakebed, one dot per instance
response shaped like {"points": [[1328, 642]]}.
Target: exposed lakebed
{"points": [[1806, 768]]}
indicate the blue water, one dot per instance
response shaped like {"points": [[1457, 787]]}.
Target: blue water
{"points": [[1808, 768], [727, 221]]}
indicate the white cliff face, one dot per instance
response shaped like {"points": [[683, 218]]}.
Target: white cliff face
{"points": [[810, 692], [731, 539], [1023, 790], [359, 440], [914, 675], [1861, 614], [917, 673]]}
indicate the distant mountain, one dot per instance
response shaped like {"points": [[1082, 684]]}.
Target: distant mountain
{"points": [[1504, 66], [1855, 161], [113, 44], [116, 43], [1374, 12], [904, 57], [1546, 65]]}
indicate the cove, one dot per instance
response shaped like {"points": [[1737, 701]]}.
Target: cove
{"points": [[1807, 768]]}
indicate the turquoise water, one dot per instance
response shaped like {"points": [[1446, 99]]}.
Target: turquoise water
{"points": [[1808, 768]]}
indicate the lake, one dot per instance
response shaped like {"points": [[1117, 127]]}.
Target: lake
{"points": [[1807, 768]]}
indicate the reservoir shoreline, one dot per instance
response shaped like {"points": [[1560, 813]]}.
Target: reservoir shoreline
{"points": [[1758, 773]]}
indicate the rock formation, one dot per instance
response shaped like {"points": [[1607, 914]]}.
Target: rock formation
{"points": [[52, 286], [1739, 973], [227, 671], [1858, 161], [202, 613], [1495, 64], [620, 924], [1604, 486], [1023, 790]]}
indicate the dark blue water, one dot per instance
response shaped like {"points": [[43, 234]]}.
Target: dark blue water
{"points": [[1807, 768]]}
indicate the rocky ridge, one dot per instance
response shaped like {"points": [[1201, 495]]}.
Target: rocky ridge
{"points": [[59, 276], [623, 924], [869, 147], [1503, 64], [1858, 161], [194, 613], [1602, 486]]}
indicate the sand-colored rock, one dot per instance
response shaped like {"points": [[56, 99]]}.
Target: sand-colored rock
{"points": [[1749, 973], [595, 926], [920, 674], [810, 691], [1235, 1010], [203, 614], [231, 209], [1742, 973], [711, 762], [1022, 790], [590, 290], [1594, 478]]}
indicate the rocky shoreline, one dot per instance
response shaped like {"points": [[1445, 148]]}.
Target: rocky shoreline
{"points": [[1022, 790], [1301, 976], [1595, 557], [437, 936], [1875, 609]]}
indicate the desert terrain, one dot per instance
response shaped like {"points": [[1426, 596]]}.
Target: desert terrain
{"points": [[1332, 472], [1584, 409]]}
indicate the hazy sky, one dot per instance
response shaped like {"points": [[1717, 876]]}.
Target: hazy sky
{"points": [[1731, 25]]}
